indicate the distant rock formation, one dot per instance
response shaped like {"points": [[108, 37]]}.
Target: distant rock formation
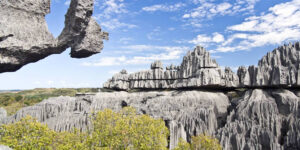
{"points": [[279, 68], [196, 70], [24, 36]]}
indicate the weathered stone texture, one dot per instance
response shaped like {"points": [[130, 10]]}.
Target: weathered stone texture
{"points": [[197, 70], [185, 112], [279, 68], [24, 35]]}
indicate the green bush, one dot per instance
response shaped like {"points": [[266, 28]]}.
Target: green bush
{"points": [[111, 130], [200, 142]]}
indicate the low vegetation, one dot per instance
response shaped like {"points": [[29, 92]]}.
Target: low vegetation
{"points": [[124, 130], [111, 130], [13, 101], [200, 142]]}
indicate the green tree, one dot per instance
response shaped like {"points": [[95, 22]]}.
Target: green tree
{"points": [[27, 134], [200, 142], [111, 130], [127, 130]]}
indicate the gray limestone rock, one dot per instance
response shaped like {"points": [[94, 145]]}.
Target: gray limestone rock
{"points": [[259, 119], [279, 68], [197, 70], [186, 113], [3, 113], [263, 119], [2, 147], [24, 35]]}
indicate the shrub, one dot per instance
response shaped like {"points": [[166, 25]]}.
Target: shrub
{"points": [[200, 142], [111, 130], [127, 130]]}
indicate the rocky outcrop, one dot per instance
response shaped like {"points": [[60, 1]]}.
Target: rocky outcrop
{"points": [[24, 36], [279, 68], [259, 119], [263, 119], [197, 70], [3, 113], [185, 112], [2, 147]]}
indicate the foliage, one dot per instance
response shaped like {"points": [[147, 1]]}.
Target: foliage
{"points": [[127, 130], [200, 142], [111, 130], [13, 101], [27, 133]]}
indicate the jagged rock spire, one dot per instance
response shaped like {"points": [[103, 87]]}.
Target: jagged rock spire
{"points": [[197, 70]]}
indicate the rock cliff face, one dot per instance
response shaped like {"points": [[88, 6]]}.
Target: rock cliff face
{"points": [[279, 68], [24, 35], [185, 112], [196, 70], [258, 119]]}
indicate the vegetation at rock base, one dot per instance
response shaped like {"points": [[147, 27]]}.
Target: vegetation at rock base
{"points": [[13, 101], [200, 142], [127, 130], [124, 130], [111, 130]]}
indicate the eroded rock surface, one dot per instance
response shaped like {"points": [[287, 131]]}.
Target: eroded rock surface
{"points": [[185, 112], [25, 38], [279, 68], [196, 70], [258, 119]]}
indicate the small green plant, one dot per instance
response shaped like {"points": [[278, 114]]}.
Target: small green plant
{"points": [[200, 142]]}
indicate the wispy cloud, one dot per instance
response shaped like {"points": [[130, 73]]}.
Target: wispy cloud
{"points": [[115, 23], [279, 24], [111, 13], [67, 3], [164, 7], [208, 9], [166, 53], [204, 40]]}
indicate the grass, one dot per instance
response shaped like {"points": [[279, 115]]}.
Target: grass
{"points": [[13, 101]]}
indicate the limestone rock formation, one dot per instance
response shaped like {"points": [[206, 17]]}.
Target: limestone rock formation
{"points": [[279, 68], [197, 70], [2, 147], [3, 113], [259, 119], [24, 35], [185, 112], [263, 119]]}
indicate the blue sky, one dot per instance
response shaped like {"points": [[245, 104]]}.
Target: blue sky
{"points": [[237, 32]]}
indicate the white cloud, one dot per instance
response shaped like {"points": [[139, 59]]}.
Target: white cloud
{"points": [[107, 61], [154, 34], [163, 7], [204, 40], [125, 40], [67, 3], [111, 8], [207, 9], [115, 24], [111, 14], [281, 23], [168, 53]]}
